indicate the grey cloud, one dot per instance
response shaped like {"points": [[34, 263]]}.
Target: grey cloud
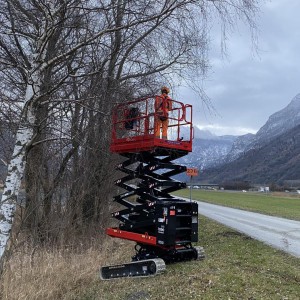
{"points": [[248, 87]]}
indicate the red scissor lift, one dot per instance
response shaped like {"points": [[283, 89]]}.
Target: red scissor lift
{"points": [[163, 226]]}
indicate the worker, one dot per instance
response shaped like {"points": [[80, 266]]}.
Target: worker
{"points": [[163, 104], [131, 116]]}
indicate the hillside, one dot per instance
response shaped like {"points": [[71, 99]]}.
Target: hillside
{"points": [[209, 150], [277, 124], [275, 161]]}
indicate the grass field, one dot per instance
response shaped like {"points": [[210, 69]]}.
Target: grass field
{"points": [[280, 205], [235, 267]]}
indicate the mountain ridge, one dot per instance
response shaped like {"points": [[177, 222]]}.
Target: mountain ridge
{"points": [[249, 151], [274, 162]]}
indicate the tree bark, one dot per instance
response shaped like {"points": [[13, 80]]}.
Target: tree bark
{"points": [[16, 169]]}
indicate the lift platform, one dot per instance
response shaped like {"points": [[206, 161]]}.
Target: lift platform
{"points": [[134, 123], [163, 226]]}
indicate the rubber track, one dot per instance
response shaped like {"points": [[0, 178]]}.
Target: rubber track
{"points": [[143, 268]]}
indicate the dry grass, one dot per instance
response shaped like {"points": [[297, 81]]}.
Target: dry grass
{"points": [[236, 267], [57, 274]]}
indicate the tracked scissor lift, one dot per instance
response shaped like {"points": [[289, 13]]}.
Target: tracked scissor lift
{"points": [[163, 226]]}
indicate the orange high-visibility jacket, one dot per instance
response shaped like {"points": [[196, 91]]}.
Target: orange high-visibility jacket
{"points": [[163, 104]]}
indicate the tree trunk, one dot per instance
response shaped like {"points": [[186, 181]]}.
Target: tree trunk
{"points": [[16, 168], [12, 186]]}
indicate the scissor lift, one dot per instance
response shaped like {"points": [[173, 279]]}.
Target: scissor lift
{"points": [[163, 226]]}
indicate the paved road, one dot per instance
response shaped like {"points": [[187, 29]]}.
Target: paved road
{"points": [[280, 233]]}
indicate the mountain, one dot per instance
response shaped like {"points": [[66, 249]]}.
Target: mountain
{"points": [[209, 150], [272, 155], [239, 146], [276, 161], [278, 123]]}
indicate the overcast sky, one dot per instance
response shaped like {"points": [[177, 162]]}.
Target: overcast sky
{"points": [[248, 86]]}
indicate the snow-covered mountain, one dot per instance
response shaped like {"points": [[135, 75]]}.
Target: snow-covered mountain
{"points": [[239, 146], [276, 162], [272, 155], [209, 150], [278, 123]]}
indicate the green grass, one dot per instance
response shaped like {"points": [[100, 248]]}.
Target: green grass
{"points": [[236, 267], [281, 206]]}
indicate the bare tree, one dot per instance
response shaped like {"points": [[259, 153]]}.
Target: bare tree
{"points": [[48, 47]]}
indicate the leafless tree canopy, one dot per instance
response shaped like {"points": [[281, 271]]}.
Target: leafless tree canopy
{"points": [[65, 63]]}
